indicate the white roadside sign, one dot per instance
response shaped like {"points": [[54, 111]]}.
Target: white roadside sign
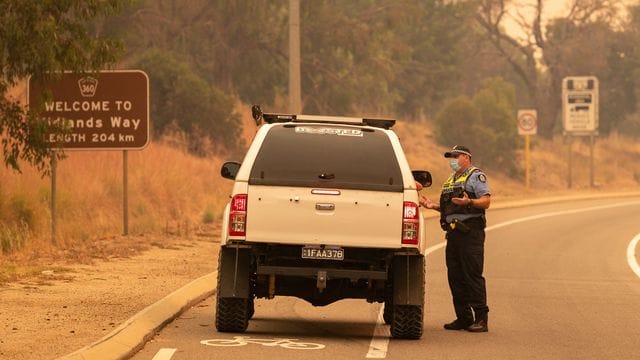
{"points": [[580, 106]]}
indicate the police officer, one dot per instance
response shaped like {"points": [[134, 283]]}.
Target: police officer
{"points": [[465, 197]]}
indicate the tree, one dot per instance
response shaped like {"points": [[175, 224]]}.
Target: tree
{"points": [[38, 39], [180, 98], [624, 75], [542, 75], [379, 56], [238, 46], [485, 123], [360, 56], [496, 134], [429, 53]]}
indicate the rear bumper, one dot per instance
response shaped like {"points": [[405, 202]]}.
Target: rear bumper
{"points": [[286, 260], [353, 275], [279, 269]]}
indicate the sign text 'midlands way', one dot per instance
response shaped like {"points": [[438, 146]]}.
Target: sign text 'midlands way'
{"points": [[107, 111]]}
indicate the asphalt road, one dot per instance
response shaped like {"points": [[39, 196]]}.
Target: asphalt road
{"points": [[559, 282]]}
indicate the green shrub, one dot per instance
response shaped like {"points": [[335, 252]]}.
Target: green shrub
{"points": [[182, 99], [486, 124], [454, 121], [208, 216]]}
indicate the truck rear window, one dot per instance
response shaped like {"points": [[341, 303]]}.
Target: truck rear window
{"points": [[327, 156]]}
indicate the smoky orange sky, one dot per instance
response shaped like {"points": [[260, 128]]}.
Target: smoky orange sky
{"points": [[551, 9]]}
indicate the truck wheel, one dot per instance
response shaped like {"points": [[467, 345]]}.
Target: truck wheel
{"points": [[407, 322], [233, 306], [408, 304], [232, 315]]}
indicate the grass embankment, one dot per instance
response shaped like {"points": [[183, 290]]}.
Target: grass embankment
{"points": [[169, 191]]}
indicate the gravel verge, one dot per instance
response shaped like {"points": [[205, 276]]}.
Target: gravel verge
{"points": [[61, 311]]}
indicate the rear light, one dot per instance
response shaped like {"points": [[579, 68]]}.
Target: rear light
{"points": [[410, 223], [238, 215]]}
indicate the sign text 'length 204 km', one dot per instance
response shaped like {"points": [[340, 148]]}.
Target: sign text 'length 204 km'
{"points": [[109, 110]]}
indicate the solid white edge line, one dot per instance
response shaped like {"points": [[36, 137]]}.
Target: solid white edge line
{"points": [[378, 346], [557, 213], [164, 354], [379, 343], [631, 255]]}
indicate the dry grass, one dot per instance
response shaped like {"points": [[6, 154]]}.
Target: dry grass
{"points": [[169, 190]]}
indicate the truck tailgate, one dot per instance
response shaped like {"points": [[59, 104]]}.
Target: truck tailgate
{"points": [[300, 215]]}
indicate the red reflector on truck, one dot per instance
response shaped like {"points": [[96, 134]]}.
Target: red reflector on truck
{"points": [[238, 215], [410, 223]]}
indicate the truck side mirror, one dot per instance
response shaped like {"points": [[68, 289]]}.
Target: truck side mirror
{"points": [[229, 170], [423, 177]]}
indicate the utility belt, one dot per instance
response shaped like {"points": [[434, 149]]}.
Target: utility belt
{"points": [[464, 226]]}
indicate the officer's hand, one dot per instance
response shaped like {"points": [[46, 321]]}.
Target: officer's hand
{"points": [[427, 203], [464, 200]]}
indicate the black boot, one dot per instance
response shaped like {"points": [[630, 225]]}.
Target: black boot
{"points": [[480, 325], [458, 324]]}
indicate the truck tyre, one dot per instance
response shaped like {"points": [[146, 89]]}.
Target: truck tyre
{"points": [[407, 322], [232, 315], [251, 308], [408, 314], [387, 313], [232, 312]]}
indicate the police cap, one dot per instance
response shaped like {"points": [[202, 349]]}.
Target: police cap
{"points": [[457, 150]]}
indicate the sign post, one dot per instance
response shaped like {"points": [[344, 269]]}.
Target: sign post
{"points": [[108, 110], [125, 192], [54, 170], [580, 115], [527, 125]]}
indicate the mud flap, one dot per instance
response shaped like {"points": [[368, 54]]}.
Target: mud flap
{"points": [[234, 272], [408, 280]]}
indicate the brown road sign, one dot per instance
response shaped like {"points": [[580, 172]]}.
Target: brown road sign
{"points": [[109, 110]]}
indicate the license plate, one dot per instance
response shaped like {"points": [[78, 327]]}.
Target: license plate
{"points": [[323, 254]]}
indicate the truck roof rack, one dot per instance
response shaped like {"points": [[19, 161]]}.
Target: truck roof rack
{"points": [[374, 122]]}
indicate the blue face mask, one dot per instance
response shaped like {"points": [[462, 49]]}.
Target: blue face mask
{"points": [[453, 163]]}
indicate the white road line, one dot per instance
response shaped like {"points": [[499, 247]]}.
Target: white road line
{"points": [[164, 354], [557, 213], [380, 340], [631, 255]]}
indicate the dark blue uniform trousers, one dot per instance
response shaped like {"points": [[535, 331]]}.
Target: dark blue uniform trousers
{"points": [[465, 262]]}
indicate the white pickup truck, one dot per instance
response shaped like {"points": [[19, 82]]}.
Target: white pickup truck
{"points": [[323, 208]]}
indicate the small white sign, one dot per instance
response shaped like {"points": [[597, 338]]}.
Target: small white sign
{"points": [[527, 122], [580, 108]]}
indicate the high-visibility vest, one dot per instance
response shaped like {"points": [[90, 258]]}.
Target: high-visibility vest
{"points": [[454, 187]]}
